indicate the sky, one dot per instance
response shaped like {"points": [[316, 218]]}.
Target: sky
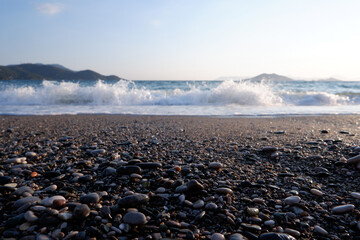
{"points": [[186, 39]]}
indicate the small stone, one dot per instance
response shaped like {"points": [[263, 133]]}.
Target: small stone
{"points": [[30, 154], [149, 165], [237, 236], [16, 160], [49, 201], [292, 200], [270, 223], [252, 211], [343, 209], [24, 226], [355, 195], [51, 188], [135, 218], [4, 180], [251, 227], [316, 192], [127, 170], [198, 204], [22, 190], [215, 165], [30, 216], [133, 200], [224, 191], [320, 230], [292, 232], [26, 200], [65, 216], [211, 206], [276, 236], [217, 236], [354, 160], [81, 211], [194, 185], [90, 198]]}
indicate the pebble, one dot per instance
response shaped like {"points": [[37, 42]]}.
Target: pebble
{"points": [[198, 204], [90, 198], [224, 190], [81, 211], [354, 160], [4, 180], [292, 200], [16, 160], [276, 236], [30, 154], [292, 232], [355, 195], [135, 218], [49, 201], [217, 236], [215, 165], [320, 230], [343, 209], [237, 236], [133, 200], [30, 216], [316, 192], [24, 189], [26, 200]]}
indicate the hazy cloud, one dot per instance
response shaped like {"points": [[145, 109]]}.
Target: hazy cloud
{"points": [[49, 8], [156, 23]]}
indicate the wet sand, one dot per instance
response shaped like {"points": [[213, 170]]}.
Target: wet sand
{"points": [[152, 177]]}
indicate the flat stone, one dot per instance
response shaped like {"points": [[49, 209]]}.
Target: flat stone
{"points": [[26, 200], [5, 180], [135, 218], [252, 211], [355, 195], [320, 230], [133, 200], [16, 160], [50, 188], [215, 165], [224, 190], [149, 165], [217, 236], [30, 154], [90, 198], [316, 192], [237, 236], [251, 227], [211, 206], [354, 160], [276, 236], [21, 190], [292, 200], [292, 232], [127, 170], [343, 209]]}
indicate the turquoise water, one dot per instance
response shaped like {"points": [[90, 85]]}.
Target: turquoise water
{"points": [[214, 98]]}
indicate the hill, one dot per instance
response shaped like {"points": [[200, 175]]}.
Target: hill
{"points": [[49, 72], [269, 77]]}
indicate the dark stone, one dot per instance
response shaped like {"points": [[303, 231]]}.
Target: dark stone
{"points": [[276, 236], [149, 165], [127, 170], [50, 174], [194, 185], [12, 222], [5, 180], [133, 200], [10, 234], [81, 211], [84, 179], [90, 198], [46, 220]]}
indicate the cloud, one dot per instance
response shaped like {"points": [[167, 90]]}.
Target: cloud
{"points": [[49, 8]]}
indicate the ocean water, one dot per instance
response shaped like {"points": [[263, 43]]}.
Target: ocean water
{"points": [[208, 98]]}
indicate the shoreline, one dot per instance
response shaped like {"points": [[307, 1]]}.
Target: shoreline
{"points": [[152, 177]]}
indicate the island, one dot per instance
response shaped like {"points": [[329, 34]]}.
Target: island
{"points": [[38, 71]]}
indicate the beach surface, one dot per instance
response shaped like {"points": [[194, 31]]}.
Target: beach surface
{"points": [[153, 177]]}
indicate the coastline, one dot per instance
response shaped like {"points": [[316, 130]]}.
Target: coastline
{"points": [[198, 175]]}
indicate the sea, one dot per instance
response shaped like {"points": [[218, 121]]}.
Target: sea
{"points": [[228, 98]]}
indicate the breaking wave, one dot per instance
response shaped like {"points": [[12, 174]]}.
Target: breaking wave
{"points": [[128, 93]]}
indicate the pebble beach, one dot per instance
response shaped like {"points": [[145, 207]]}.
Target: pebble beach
{"points": [[175, 177]]}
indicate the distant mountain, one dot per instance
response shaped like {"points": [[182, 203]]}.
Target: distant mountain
{"points": [[48, 72], [269, 77]]}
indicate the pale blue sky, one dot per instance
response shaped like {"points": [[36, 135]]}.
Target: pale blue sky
{"points": [[185, 39]]}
